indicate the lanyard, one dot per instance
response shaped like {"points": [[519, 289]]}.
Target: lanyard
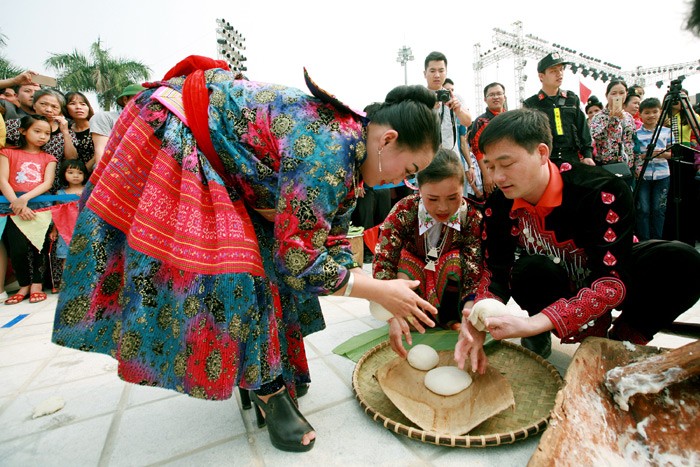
{"points": [[557, 121]]}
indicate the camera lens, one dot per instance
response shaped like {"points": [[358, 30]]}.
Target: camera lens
{"points": [[443, 95]]}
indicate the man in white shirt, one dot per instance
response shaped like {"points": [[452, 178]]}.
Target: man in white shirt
{"points": [[449, 107]]}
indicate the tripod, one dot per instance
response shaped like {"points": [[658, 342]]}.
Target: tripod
{"points": [[678, 163]]}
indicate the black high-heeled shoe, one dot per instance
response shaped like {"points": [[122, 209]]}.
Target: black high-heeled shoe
{"points": [[245, 398], [285, 424], [302, 390]]}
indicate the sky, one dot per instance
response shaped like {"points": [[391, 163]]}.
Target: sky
{"points": [[351, 48]]}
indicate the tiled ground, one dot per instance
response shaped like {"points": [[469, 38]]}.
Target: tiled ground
{"points": [[107, 422]]}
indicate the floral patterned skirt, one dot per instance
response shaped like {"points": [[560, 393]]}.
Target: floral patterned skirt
{"points": [[171, 275]]}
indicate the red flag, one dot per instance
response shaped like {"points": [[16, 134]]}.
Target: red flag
{"points": [[584, 93]]}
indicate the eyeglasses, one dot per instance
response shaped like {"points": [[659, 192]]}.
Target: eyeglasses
{"points": [[494, 94]]}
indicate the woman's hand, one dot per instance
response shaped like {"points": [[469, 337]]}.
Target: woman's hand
{"points": [[617, 112], [406, 305], [470, 346], [396, 334], [62, 123]]}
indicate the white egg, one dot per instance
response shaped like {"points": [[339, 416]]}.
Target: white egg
{"points": [[379, 312], [423, 357], [486, 308], [447, 380]]}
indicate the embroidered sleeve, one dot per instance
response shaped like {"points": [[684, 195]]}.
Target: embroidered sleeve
{"points": [[316, 197], [608, 245], [471, 252], [574, 315], [396, 233]]}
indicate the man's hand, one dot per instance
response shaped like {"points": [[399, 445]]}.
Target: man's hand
{"points": [[504, 327], [470, 346]]}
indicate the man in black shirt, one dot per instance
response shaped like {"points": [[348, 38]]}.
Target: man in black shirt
{"points": [[571, 137]]}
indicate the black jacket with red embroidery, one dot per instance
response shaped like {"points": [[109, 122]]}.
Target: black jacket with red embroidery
{"points": [[590, 235]]}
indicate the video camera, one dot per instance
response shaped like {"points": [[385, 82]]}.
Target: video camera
{"points": [[675, 89]]}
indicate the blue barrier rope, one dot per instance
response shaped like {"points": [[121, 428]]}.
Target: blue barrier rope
{"points": [[43, 198]]}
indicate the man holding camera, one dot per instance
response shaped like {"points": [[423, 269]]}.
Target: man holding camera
{"points": [[450, 107], [572, 138]]}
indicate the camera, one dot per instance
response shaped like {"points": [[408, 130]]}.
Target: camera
{"points": [[443, 95]]}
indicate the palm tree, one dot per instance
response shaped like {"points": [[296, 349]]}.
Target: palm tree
{"points": [[99, 73], [7, 69]]}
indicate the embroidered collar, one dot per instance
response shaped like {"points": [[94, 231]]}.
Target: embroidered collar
{"points": [[426, 221]]}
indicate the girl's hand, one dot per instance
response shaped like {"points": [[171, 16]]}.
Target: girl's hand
{"points": [[396, 334], [18, 205], [405, 304], [27, 214]]}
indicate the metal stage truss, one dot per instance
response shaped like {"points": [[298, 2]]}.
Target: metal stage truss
{"points": [[520, 47]]}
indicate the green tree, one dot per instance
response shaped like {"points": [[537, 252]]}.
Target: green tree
{"points": [[100, 73], [7, 69]]}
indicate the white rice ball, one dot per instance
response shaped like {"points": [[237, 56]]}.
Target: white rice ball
{"points": [[447, 380], [423, 357], [486, 308]]}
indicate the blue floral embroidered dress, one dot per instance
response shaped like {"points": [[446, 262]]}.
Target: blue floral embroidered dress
{"points": [[199, 284]]}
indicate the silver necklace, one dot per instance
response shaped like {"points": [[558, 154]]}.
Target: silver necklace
{"points": [[433, 253]]}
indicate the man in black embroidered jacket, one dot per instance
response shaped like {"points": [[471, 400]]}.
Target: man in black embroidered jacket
{"points": [[559, 240]]}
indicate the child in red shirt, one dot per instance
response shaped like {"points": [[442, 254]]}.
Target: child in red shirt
{"points": [[25, 173]]}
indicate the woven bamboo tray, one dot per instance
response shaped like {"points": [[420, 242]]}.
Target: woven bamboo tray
{"points": [[535, 383]]}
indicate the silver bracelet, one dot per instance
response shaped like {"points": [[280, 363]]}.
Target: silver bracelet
{"points": [[351, 282]]}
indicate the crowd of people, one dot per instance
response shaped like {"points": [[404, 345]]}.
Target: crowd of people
{"points": [[48, 146], [218, 208]]}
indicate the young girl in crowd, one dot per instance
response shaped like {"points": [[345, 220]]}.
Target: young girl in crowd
{"points": [[25, 173], [50, 104], [73, 174], [80, 111]]}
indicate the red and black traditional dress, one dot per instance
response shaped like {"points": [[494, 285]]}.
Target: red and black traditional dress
{"points": [[445, 257]]}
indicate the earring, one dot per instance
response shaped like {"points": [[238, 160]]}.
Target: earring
{"points": [[379, 153]]}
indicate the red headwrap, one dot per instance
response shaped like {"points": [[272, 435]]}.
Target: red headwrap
{"points": [[195, 99], [192, 63]]}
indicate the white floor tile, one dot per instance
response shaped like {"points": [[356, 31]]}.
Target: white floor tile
{"points": [[72, 445], [83, 400], [13, 377], [238, 451], [166, 428], [73, 365]]}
